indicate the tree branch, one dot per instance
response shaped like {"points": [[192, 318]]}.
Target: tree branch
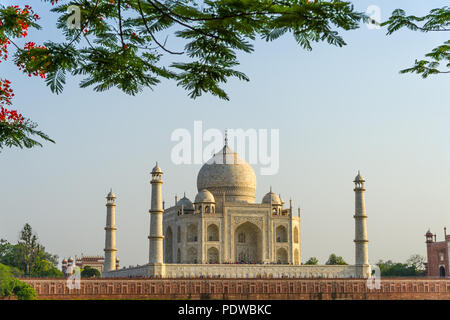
{"points": [[120, 23], [151, 34], [180, 22]]}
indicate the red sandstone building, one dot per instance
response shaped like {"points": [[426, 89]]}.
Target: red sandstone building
{"points": [[96, 262], [437, 255]]}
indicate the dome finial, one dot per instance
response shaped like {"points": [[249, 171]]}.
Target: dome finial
{"points": [[111, 195], [226, 137], [156, 169], [359, 177]]}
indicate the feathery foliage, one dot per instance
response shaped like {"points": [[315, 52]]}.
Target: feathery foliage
{"points": [[129, 44], [438, 20], [121, 43], [19, 135]]}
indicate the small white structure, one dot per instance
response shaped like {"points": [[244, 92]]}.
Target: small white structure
{"points": [[224, 233]]}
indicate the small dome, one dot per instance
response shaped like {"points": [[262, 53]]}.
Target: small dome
{"points": [[157, 169], [70, 259], [64, 261], [111, 194], [204, 196], [187, 204], [359, 178], [429, 234], [275, 198], [117, 260]]}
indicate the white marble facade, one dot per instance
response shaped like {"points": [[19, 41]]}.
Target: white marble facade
{"points": [[244, 233], [224, 224], [224, 232], [236, 271]]}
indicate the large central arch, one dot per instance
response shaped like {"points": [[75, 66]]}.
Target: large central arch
{"points": [[248, 246]]}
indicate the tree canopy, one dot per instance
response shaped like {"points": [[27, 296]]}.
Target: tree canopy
{"points": [[333, 259], [135, 44], [122, 43], [438, 20], [10, 286], [129, 44], [89, 272], [312, 261], [413, 267], [28, 256]]}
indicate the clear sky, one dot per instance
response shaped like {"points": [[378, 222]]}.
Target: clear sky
{"points": [[338, 110]]}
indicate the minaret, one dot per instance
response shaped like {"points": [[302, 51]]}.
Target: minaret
{"points": [[361, 241], [429, 242], [156, 214], [110, 238]]}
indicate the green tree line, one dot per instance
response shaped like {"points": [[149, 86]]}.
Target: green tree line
{"points": [[413, 267], [333, 259], [26, 258]]}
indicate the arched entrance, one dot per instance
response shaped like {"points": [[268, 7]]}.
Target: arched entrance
{"points": [[442, 272], [213, 255], [281, 234], [247, 243], [213, 233], [192, 233], [168, 245], [192, 255], [282, 256]]}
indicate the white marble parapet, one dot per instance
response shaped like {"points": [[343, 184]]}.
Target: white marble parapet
{"points": [[238, 271]]}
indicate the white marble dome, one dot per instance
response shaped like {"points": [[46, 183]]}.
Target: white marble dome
{"points": [[204, 196], [186, 203], [226, 173], [275, 198]]}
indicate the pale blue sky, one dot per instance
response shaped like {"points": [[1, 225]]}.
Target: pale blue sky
{"points": [[338, 110]]}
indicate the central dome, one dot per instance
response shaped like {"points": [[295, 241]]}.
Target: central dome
{"points": [[226, 173]]}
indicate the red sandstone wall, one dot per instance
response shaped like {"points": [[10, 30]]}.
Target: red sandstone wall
{"points": [[433, 251], [423, 288]]}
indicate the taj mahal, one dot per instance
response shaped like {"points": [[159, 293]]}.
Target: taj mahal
{"points": [[225, 232]]}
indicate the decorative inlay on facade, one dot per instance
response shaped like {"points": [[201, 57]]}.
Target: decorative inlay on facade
{"points": [[238, 220]]}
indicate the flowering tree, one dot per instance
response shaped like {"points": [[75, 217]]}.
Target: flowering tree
{"points": [[121, 43], [16, 130]]}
